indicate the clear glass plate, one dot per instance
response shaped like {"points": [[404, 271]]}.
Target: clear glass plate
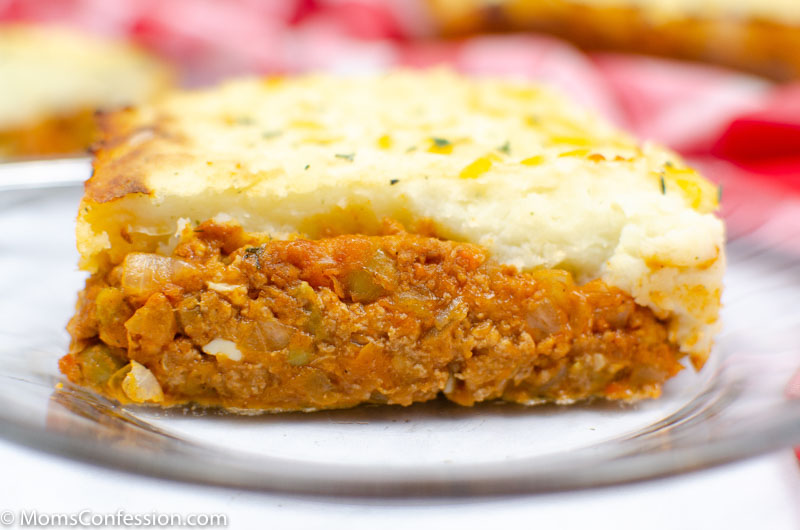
{"points": [[736, 407]]}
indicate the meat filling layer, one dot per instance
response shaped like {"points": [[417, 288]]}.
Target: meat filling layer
{"points": [[233, 319]]}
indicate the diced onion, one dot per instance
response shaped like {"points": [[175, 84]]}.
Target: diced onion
{"points": [[223, 348], [222, 287], [455, 311], [265, 336], [144, 274], [140, 385]]}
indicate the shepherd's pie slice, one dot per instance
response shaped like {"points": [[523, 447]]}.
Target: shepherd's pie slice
{"points": [[319, 242], [53, 79]]}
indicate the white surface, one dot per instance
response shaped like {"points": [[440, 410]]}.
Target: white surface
{"points": [[762, 494]]}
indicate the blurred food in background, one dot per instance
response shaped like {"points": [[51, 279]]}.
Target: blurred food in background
{"points": [[741, 130], [761, 36], [52, 80]]}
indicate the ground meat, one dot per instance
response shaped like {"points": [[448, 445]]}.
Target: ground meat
{"points": [[343, 320]]}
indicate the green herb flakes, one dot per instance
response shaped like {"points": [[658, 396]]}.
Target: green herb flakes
{"points": [[255, 254]]}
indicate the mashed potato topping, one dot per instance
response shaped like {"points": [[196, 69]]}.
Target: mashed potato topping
{"points": [[535, 180]]}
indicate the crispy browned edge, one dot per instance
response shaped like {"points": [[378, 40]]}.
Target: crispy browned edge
{"points": [[117, 167], [765, 47]]}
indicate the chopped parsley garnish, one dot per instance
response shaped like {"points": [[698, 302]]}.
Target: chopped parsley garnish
{"points": [[244, 120], [663, 186], [505, 148], [719, 194], [393, 182], [440, 142], [254, 253], [346, 156], [412, 148], [271, 134], [669, 163], [307, 166]]}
